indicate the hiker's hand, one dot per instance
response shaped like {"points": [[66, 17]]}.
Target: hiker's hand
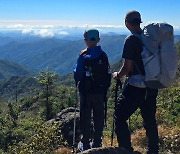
{"points": [[115, 76]]}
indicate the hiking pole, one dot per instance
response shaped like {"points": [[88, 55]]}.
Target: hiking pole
{"points": [[118, 82], [105, 110], [74, 128]]}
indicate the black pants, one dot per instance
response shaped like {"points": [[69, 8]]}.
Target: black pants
{"points": [[91, 104], [131, 99]]}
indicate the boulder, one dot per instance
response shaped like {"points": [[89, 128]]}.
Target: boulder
{"points": [[107, 150], [66, 120]]}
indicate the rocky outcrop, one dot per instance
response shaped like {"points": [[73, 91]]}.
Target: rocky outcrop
{"points": [[66, 117], [107, 150], [66, 120]]}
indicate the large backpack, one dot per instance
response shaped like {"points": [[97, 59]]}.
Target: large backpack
{"points": [[159, 55], [98, 73]]}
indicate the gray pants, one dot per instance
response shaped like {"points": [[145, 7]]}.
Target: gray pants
{"points": [[91, 104]]}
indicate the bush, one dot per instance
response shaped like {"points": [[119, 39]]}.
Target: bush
{"points": [[45, 140]]}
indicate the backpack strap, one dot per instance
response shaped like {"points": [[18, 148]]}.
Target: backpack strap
{"points": [[140, 38]]}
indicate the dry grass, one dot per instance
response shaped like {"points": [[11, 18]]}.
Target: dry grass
{"points": [[169, 139], [63, 150], [138, 140], [107, 141]]}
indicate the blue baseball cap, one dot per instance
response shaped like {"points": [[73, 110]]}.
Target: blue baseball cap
{"points": [[92, 35]]}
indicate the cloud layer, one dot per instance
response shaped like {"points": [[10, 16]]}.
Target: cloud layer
{"points": [[51, 29]]}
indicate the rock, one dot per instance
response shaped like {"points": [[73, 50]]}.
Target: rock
{"points": [[66, 119], [106, 150]]}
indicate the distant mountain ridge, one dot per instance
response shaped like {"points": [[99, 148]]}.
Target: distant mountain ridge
{"points": [[4, 40], [60, 55], [176, 38]]}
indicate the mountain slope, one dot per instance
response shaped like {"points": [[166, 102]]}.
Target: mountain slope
{"points": [[8, 69], [18, 85], [5, 40], [176, 38]]}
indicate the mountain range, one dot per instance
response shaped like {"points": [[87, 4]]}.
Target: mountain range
{"points": [[58, 54]]}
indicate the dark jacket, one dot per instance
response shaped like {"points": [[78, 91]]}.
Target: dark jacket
{"points": [[80, 70]]}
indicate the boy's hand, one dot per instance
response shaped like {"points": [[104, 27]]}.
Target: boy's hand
{"points": [[115, 75]]}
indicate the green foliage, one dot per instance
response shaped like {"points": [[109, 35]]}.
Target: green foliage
{"points": [[6, 126], [45, 140], [168, 111], [22, 112], [47, 80], [13, 112], [178, 47], [17, 87], [67, 80], [63, 97], [26, 127], [9, 69]]}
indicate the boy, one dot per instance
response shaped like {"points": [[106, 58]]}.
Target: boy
{"points": [[91, 77], [135, 96]]}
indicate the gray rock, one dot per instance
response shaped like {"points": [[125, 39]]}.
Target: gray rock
{"points": [[66, 120], [106, 150]]}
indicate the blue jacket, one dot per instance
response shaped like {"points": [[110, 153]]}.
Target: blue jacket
{"points": [[88, 53]]}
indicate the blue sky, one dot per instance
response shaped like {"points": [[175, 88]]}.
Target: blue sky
{"points": [[89, 12], [85, 12]]}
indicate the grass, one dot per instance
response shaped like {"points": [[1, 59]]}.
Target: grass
{"points": [[169, 141]]}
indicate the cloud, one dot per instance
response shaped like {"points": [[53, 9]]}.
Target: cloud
{"points": [[38, 32], [63, 33], [177, 27], [44, 33], [50, 30], [108, 26], [22, 26], [27, 31], [16, 26], [48, 26]]}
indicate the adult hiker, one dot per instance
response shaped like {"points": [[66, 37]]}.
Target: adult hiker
{"points": [[135, 95], [94, 79]]}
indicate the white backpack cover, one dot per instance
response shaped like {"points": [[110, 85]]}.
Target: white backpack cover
{"points": [[159, 55]]}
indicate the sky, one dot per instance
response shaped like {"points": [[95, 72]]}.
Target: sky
{"points": [[25, 14]]}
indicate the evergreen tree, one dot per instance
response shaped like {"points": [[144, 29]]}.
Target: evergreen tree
{"points": [[47, 80]]}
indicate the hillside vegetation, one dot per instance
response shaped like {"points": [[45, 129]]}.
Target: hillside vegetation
{"points": [[9, 69]]}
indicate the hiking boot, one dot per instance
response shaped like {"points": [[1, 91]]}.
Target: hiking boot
{"points": [[80, 147]]}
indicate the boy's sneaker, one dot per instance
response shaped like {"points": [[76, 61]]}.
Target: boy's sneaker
{"points": [[80, 147]]}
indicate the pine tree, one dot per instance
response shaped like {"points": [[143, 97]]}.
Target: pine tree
{"points": [[47, 80]]}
